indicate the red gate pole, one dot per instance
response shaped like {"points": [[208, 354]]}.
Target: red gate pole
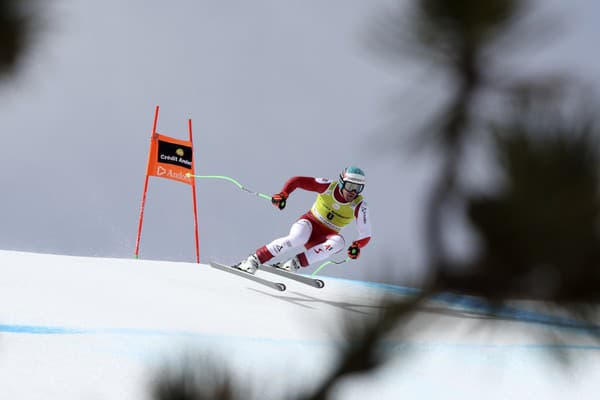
{"points": [[194, 198], [139, 231]]}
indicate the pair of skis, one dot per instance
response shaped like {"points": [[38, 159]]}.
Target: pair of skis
{"points": [[317, 283]]}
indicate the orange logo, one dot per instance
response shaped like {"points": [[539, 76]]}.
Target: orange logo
{"points": [[169, 159]]}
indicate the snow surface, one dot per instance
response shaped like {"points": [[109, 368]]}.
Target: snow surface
{"points": [[97, 328]]}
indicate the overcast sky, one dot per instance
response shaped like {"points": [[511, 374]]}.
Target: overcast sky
{"points": [[274, 89]]}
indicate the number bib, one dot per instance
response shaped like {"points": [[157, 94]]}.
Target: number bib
{"points": [[332, 213]]}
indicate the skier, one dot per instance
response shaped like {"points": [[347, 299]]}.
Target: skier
{"points": [[337, 204]]}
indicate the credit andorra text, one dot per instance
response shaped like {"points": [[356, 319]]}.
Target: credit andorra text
{"points": [[176, 159], [160, 171]]}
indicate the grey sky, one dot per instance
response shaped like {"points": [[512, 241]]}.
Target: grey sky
{"points": [[274, 89]]}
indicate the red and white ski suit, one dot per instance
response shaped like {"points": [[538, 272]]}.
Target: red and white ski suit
{"points": [[320, 242]]}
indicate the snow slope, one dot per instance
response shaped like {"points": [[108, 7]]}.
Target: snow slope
{"points": [[96, 328]]}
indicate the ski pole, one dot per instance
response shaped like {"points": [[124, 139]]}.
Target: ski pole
{"points": [[316, 271], [227, 178]]}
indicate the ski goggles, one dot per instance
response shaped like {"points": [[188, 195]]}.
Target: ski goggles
{"points": [[352, 187]]}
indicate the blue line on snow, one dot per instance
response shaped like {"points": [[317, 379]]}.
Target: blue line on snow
{"points": [[39, 330], [49, 330], [474, 304], [466, 303], [55, 330]]}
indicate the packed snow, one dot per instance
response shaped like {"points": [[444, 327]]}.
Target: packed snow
{"points": [[98, 328]]}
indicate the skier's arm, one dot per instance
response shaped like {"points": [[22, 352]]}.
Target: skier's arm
{"points": [[311, 184], [319, 185], [363, 225]]}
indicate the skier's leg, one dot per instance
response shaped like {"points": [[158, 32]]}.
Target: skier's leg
{"points": [[320, 252], [299, 234], [333, 245]]}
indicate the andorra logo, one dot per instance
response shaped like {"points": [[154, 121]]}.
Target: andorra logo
{"points": [[167, 173], [179, 152]]}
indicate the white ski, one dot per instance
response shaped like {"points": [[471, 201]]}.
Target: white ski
{"points": [[233, 270], [318, 283]]}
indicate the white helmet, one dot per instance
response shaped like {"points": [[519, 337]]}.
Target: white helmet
{"points": [[352, 179]]}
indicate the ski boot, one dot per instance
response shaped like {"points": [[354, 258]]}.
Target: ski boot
{"points": [[291, 265], [249, 265]]}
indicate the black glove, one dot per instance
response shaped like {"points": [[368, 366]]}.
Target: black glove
{"points": [[354, 251], [279, 200]]}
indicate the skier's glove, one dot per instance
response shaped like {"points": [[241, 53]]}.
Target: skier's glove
{"points": [[279, 200], [354, 251]]}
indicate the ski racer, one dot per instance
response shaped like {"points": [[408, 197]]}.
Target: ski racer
{"points": [[337, 204]]}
